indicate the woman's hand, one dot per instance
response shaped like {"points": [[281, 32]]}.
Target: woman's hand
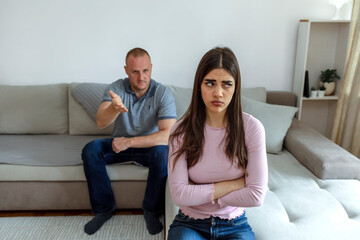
{"points": [[225, 187]]}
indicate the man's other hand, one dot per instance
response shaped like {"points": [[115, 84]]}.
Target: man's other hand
{"points": [[120, 144]]}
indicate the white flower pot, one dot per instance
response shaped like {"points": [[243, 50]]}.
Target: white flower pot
{"points": [[321, 93], [313, 93]]}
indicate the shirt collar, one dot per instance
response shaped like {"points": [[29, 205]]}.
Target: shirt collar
{"points": [[150, 91]]}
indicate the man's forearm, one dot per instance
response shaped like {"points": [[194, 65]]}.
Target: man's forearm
{"points": [[161, 137], [154, 139], [106, 116]]}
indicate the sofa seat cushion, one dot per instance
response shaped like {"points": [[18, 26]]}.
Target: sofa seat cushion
{"points": [[43, 150], [304, 206], [53, 158], [116, 172], [300, 206]]}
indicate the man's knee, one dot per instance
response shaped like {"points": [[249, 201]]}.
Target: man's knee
{"points": [[92, 150], [159, 157], [161, 151], [87, 151]]}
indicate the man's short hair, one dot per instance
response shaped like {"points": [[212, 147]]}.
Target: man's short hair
{"points": [[136, 52]]}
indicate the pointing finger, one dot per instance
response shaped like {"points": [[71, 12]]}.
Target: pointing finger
{"points": [[112, 94]]}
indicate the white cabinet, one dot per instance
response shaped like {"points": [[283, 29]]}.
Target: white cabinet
{"points": [[321, 45]]}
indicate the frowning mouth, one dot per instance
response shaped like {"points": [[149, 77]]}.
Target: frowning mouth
{"points": [[217, 103]]}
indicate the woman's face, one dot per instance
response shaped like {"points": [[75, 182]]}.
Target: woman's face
{"points": [[217, 90]]}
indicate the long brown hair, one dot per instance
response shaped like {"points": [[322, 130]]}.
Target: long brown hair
{"points": [[191, 127]]}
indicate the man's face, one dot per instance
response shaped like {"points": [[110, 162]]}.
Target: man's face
{"points": [[139, 71]]}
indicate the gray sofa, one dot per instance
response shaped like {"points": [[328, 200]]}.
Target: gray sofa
{"points": [[314, 187]]}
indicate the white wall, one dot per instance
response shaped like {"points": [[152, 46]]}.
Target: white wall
{"points": [[53, 41]]}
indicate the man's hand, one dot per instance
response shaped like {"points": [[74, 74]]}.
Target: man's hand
{"points": [[117, 103], [120, 144]]}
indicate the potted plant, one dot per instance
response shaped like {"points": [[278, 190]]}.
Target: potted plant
{"points": [[322, 90], [313, 92], [327, 79]]}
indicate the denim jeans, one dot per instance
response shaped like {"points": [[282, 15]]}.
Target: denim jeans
{"points": [[186, 228], [98, 153]]}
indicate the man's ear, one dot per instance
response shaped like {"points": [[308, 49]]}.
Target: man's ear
{"points": [[126, 70]]}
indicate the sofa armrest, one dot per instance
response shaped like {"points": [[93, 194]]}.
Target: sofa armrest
{"points": [[321, 156], [281, 98]]}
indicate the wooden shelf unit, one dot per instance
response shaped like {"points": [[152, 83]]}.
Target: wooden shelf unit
{"points": [[321, 45]]}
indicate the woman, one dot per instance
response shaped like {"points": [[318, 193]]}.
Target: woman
{"points": [[217, 160]]}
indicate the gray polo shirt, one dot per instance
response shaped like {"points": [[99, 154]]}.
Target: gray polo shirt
{"points": [[144, 113]]}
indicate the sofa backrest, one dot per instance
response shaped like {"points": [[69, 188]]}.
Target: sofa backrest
{"points": [[52, 109], [281, 98], [84, 98], [41, 109]]}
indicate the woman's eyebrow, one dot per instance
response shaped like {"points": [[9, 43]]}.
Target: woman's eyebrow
{"points": [[213, 80], [210, 80], [227, 81]]}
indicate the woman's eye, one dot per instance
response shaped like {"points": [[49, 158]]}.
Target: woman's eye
{"points": [[228, 85], [209, 84]]}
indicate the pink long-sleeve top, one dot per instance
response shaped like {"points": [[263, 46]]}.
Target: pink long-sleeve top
{"points": [[197, 200]]}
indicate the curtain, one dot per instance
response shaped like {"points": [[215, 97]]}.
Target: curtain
{"points": [[346, 126]]}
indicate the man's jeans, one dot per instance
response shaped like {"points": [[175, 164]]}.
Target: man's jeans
{"points": [[184, 227], [98, 153]]}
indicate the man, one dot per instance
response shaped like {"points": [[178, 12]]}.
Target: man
{"points": [[144, 112]]}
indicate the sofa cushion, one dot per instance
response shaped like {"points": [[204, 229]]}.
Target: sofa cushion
{"points": [[313, 206], [37, 109], [275, 118], [82, 112], [23, 173], [281, 98], [298, 205], [54, 158], [43, 150], [321, 156], [255, 93], [89, 95], [182, 98]]}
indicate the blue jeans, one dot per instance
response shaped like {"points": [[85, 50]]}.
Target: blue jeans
{"points": [[186, 228], [98, 153]]}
